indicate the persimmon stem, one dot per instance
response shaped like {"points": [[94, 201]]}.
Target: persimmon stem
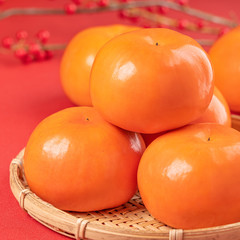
{"points": [[121, 6]]}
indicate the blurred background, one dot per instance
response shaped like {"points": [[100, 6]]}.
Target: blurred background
{"points": [[31, 92]]}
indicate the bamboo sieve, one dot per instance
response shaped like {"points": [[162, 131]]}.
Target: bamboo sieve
{"points": [[130, 221], [236, 121]]}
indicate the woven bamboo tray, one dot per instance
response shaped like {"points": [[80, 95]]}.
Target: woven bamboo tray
{"points": [[236, 121], [130, 221]]}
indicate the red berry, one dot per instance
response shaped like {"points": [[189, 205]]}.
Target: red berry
{"points": [[40, 56], [48, 54], [21, 35], [34, 48], [123, 14], [182, 24], [20, 53], [77, 2], [2, 1], [223, 31], [70, 8], [103, 3], [124, 1], [200, 24], [43, 36], [162, 10], [7, 42], [151, 9], [183, 2], [27, 59], [134, 19]]}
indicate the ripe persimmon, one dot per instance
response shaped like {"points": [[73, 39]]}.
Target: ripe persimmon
{"points": [[217, 112], [225, 58], [77, 161], [151, 80], [78, 59], [189, 178]]}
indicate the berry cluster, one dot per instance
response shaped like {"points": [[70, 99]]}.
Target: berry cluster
{"points": [[72, 7], [28, 51]]}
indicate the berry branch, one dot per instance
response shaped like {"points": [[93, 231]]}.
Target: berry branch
{"points": [[161, 20], [28, 51], [205, 42], [121, 6]]}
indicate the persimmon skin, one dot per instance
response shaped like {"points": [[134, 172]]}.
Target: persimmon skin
{"points": [[77, 161], [217, 112], [78, 58], [225, 58], [151, 80], [189, 178]]}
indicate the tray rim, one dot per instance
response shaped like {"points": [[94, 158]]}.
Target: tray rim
{"points": [[235, 116]]}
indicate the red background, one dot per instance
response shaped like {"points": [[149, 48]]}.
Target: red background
{"points": [[29, 93]]}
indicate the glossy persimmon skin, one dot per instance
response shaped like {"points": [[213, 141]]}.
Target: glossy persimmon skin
{"points": [[151, 80], [225, 58], [189, 178], [217, 112], [78, 58], [77, 161]]}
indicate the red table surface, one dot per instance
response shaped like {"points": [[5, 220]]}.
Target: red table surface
{"points": [[29, 93]]}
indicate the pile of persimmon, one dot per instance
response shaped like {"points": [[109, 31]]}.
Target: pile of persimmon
{"points": [[151, 84]]}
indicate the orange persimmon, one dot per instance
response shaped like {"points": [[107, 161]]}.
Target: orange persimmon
{"points": [[77, 161], [78, 59], [189, 178], [151, 80], [225, 58], [217, 112]]}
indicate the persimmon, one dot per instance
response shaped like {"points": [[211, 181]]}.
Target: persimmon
{"points": [[77, 161], [217, 112], [78, 59], [189, 178], [151, 80], [225, 58]]}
